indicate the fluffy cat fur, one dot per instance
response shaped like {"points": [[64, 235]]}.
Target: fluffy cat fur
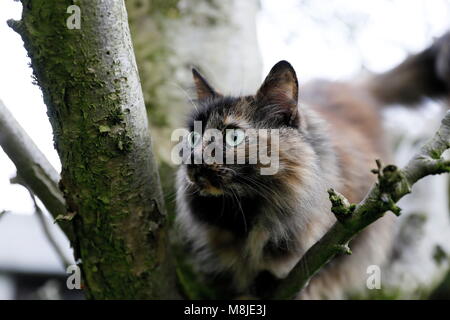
{"points": [[246, 230]]}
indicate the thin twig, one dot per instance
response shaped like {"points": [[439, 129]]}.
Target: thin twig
{"points": [[48, 233], [2, 213]]}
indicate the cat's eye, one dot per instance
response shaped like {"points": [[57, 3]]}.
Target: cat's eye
{"points": [[194, 138], [234, 137]]}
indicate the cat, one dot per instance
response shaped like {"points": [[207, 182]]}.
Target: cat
{"points": [[247, 230]]}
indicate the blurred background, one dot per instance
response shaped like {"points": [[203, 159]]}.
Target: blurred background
{"points": [[235, 43]]}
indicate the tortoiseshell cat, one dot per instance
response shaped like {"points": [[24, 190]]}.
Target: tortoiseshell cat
{"points": [[251, 229]]}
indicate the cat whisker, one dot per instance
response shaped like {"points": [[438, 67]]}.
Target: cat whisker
{"points": [[240, 208]]}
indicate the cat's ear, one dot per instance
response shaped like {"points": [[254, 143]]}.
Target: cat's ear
{"points": [[204, 89], [280, 88]]}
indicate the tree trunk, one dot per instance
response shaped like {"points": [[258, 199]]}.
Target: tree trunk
{"points": [[91, 87]]}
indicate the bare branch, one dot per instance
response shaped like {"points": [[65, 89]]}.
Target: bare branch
{"points": [[391, 186], [48, 234], [45, 228], [2, 213], [32, 166]]}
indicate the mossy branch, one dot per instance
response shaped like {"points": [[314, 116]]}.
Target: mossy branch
{"points": [[393, 183]]}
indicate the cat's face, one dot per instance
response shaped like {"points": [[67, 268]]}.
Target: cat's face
{"points": [[237, 143]]}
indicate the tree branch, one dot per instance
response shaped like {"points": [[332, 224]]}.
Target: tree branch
{"points": [[391, 186], [32, 166], [65, 261]]}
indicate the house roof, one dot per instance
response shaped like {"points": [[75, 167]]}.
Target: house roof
{"points": [[24, 247]]}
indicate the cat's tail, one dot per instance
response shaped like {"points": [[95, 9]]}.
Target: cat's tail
{"points": [[426, 74]]}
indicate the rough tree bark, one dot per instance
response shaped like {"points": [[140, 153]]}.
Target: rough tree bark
{"points": [[91, 87]]}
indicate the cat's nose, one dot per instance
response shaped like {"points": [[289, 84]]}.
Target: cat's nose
{"points": [[203, 171], [203, 174]]}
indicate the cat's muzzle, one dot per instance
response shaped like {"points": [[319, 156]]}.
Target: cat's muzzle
{"points": [[207, 178]]}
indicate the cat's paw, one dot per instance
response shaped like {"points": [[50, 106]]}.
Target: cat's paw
{"points": [[442, 65]]}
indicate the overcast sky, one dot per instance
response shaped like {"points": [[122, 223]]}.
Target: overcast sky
{"points": [[332, 39]]}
